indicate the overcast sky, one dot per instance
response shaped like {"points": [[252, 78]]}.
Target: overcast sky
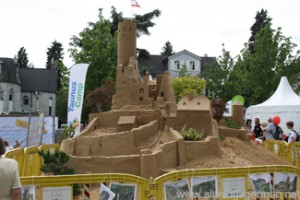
{"points": [[199, 26]]}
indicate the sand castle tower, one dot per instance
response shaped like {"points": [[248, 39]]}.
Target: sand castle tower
{"points": [[131, 90]]}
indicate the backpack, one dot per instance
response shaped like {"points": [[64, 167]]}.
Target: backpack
{"points": [[278, 134], [297, 136]]}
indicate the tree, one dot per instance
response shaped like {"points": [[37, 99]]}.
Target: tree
{"points": [[22, 58], [98, 49], [143, 56], [62, 105], [143, 22], [261, 20], [167, 50], [259, 74], [54, 53], [216, 75], [55, 61], [100, 99], [188, 85]]}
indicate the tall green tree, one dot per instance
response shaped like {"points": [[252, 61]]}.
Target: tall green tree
{"points": [[217, 74], [54, 53], [167, 49], [261, 20], [22, 58], [98, 49], [259, 73], [55, 61]]}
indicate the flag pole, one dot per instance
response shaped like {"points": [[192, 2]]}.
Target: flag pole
{"points": [[131, 10]]}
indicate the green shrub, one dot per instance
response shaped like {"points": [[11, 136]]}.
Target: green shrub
{"points": [[222, 137], [69, 132], [191, 134], [55, 163], [230, 123]]}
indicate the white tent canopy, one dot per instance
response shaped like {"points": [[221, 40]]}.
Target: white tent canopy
{"points": [[284, 102]]}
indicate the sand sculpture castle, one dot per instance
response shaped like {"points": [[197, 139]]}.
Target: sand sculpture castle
{"points": [[140, 134]]}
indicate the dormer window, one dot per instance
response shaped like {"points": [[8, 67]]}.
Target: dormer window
{"points": [[177, 64], [192, 65]]}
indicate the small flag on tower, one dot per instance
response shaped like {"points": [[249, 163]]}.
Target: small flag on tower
{"points": [[134, 3]]}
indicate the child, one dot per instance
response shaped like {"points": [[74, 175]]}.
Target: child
{"points": [[292, 136]]}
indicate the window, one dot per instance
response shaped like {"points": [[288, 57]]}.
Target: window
{"points": [[11, 94], [50, 105], [1, 95], [177, 65], [0, 67], [25, 100], [192, 65]]}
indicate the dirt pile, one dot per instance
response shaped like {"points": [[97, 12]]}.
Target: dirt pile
{"points": [[238, 153]]}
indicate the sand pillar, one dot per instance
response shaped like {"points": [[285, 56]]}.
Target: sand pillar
{"points": [[126, 41]]}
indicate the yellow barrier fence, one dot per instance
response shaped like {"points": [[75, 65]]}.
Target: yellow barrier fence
{"points": [[289, 152], [18, 155], [68, 180], [230, 183], [32, 162], [29, 161], [217, 183]]}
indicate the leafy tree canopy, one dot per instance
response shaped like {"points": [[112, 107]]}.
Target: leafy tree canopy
{"points": [[188, 85]]}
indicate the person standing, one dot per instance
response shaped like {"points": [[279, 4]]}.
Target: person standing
{"points": [[249, 126], [293, 134], [7, 146], [9, 177], [257, 131], [270, 129]]}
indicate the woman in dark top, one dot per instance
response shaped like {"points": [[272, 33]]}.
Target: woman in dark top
{"points": [[257, 129]]}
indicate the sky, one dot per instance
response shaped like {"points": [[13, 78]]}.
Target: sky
{"points": [[199, 26]]}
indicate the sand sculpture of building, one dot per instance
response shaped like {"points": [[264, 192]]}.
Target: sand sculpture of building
{"points": [[140, 134]]}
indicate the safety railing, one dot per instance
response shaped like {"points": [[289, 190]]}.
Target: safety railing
{"points": [[42, 182], [289, 152], [29, 161], [253, 182]]}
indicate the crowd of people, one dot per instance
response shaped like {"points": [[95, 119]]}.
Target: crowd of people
{"points": [[269, 131]]}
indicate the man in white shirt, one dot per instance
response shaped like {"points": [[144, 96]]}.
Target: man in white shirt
{"points": [[10, 188]]}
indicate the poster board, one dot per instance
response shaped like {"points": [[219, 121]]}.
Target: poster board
{"points": [[57, 193]]}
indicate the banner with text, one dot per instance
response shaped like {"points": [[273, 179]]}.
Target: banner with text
{"points": [[76, 94], [15, 130]]}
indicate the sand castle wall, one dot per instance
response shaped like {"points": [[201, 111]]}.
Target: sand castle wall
{"points": [[111, 118], [104, 164], [193, 119], [230, 132], [198, 149], [142, 133]]}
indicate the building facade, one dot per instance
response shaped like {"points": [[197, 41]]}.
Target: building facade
{"points": [[24, 90], [193, 64]]}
